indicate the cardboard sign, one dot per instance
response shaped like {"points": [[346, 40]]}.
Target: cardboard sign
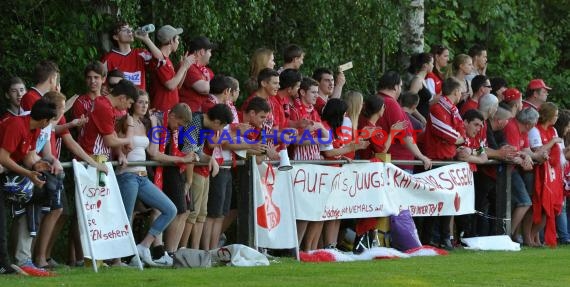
{"points": [[104, 228]]}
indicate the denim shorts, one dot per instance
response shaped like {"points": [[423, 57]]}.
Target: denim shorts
{"points": [[220, 194], [520, 195]]}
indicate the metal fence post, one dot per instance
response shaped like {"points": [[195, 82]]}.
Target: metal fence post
{"points": [[245, 224], [503, 200]]}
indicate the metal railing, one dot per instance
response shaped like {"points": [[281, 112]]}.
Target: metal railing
{"points": [[245, 221]]}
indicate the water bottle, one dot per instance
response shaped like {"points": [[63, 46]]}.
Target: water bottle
{"points": [[147, 28], [102, 179]]}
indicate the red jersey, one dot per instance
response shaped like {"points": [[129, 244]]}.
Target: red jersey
{"points": [[470, 104], [444, 127], [162, 98], [306, 151], [548, 196], [17, 138], [320, 105], [377, 143], [514, 136], [269, 124], [132, 64], [527, 104], [187, 93], [30, 98], [280, 107], [100, 124], [82, 106], [394, 113], [209, 103], [438, 82], [476, 143], [55, 138], [8, 114]]}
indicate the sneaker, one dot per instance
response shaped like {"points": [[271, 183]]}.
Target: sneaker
{"points": [[446, 244], [361, 243], [165, 260], [79, 263], [30, 269], [373, 238], [135, 262], [52, 263], [6, 269], [222, 241], [144, 255]]}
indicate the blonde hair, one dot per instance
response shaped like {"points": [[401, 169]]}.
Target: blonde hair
{"points": [[54, 97], [259, 61], [547, 112], [456, 65], [182, 112], [354, 101]]}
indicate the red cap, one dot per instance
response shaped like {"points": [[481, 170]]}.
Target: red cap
{"points": [[511, 94], [537, 84]]}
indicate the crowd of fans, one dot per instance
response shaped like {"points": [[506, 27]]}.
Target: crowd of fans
{"points": [[445, 111]]}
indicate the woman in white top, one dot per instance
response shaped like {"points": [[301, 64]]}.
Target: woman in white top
{"points": [[133, 180]]}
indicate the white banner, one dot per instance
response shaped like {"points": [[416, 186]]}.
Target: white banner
{"points": [[273, 208], [104, 228], [378, 189]]}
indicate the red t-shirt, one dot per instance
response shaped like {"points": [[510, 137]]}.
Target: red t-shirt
{"points": [[475, 143], [162, 98], [529, 105], [55, 138], [17, 138], [394, 113], [269, 124], [8, 114], [209, 103], [470, 104], [306, 151], [100, 124], [82, 106], [320, 105], [280, 107], [204, 170], [187, 94], [29, 99], [131, 64], [514, 137]]}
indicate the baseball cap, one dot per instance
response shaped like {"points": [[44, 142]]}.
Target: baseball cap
{"points": [[537, 84], [511, 94], [200, 43], [166, 33]]}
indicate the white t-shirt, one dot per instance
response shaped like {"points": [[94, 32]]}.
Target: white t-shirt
{"points": [[44, 137], [534, 139]]}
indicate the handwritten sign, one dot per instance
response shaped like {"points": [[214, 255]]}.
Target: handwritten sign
{"points": [[104, 227], [378, 189], [274, 215]]}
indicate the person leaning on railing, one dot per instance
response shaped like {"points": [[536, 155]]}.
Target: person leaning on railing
{"points": [[133, 180]]}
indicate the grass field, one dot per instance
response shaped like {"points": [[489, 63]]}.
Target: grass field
{"points": [[529, 267]]}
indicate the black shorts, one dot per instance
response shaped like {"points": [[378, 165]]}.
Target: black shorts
{"points": [[173, 187], [220, 194]]}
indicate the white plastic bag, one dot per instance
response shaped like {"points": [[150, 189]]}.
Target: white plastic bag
{"points": [[238, 255], [498, 242]]}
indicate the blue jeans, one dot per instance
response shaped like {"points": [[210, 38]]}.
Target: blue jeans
{"points": [[133, 186], [562, 224]]}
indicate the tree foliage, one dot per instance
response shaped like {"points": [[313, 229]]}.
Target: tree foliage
{"points": [[526, 39]]}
